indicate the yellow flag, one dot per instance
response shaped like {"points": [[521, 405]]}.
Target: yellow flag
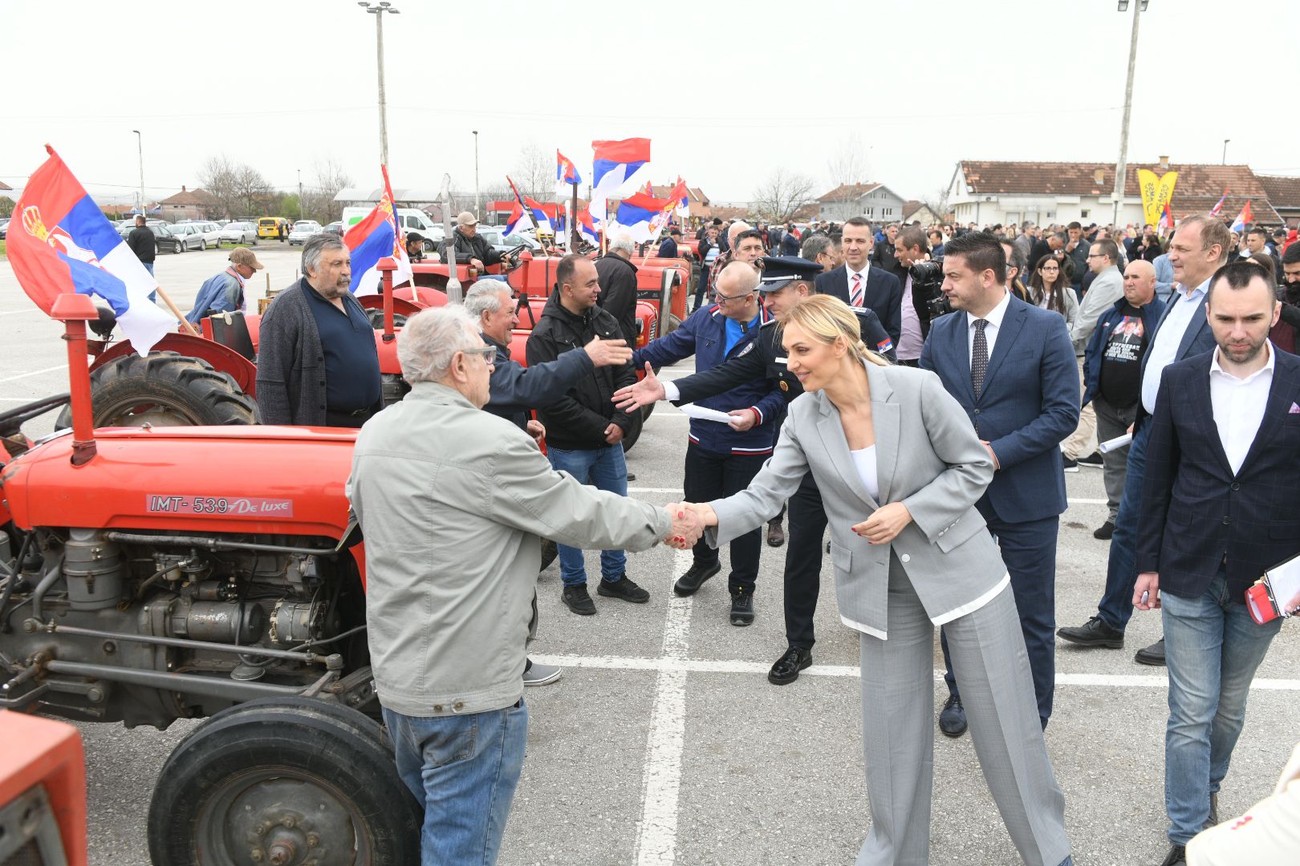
{"points": [[1156, 193]]}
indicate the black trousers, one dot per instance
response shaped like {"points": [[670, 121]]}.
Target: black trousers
{"points": [[803, 562], [714, 476]]}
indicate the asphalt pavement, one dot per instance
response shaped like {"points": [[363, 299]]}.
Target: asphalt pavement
{"points": [[664, 743]]}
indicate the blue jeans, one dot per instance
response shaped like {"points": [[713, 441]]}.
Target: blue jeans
{"points": [[604, 469], [148, 266], [464, 770], [1212, 648], [1116, 605]]}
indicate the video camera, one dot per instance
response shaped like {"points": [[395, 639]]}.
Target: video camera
{"points": [[927, 278]]}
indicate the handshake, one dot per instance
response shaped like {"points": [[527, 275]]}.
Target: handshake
{"points": [[689, 520]]}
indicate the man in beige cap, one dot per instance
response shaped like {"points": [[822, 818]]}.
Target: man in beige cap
{"points": [[225, 291], [470, 249]]}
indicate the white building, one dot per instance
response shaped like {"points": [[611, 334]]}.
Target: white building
{"points": [[875, 201]]}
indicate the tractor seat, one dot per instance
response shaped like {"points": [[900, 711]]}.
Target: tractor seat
{"points": [[103, 327], [230, 330]]}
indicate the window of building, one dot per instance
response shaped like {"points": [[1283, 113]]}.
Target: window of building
{"points": [[886, 211], [1083, 214], [869, 213]]}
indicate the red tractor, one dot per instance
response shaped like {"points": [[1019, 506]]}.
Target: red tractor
{"points": [[155, 573]]}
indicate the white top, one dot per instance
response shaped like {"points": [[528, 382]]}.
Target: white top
{"points": [[1239, 406], [1164, 346], [864, 460], [910, 341], [994, 319]]}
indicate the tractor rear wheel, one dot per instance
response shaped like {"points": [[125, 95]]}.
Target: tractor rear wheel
{"points": [[284, 780], [165, 389]]}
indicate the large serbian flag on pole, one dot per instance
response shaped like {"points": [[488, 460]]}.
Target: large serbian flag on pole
{"points": [[613, 165], [641, 216], [60, 241], [1243, 219], [372, 239]]}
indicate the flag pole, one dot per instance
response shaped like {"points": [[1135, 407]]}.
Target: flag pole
{"points": [[171, 306], [575, 237]]}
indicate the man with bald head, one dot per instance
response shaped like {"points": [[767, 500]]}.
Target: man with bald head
{"points": [[1112, 369]]}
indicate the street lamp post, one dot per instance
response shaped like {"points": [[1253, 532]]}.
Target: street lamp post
{"points": [[1121, 166], [477, 214], [301, 215], [139, 143], [378, 11], [1225, 150]]}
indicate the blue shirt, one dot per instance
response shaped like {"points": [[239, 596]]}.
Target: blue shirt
{"points": [[736, 331], [352, 379]]}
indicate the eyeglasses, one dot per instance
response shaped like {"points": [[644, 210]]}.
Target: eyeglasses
{"points": [[1052, 268], [719, 297], [487, 353]]}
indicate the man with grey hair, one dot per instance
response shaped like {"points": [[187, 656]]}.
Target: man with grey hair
{"points": [[618, 285], [823, 250], [454, 532], [317, 362]]}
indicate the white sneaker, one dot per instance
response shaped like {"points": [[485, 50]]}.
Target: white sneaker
{"points": [[540, 675]]}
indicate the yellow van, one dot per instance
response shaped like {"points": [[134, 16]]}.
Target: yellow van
{"points": [[273, 228]]}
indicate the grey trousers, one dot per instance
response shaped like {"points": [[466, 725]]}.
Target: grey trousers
{"points": [[1113, 421], [988, 656]]}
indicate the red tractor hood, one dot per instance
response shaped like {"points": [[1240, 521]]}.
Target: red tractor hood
{"points": [[259, 479]]}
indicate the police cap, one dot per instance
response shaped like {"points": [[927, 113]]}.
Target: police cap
{"points": [[780, 271]]}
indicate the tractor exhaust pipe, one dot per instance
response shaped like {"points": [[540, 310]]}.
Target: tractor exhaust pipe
{"points": [[75, 310]]}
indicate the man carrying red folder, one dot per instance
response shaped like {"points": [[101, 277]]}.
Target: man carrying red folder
{"points": [[1218, 511]]}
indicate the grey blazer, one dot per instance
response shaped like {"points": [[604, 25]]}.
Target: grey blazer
{"points": [[928, 458]]}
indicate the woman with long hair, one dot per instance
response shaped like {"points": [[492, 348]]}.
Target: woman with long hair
{"points": [[1050, 289], [900, 468]]}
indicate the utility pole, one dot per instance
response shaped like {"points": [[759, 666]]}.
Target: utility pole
{"points": [[477, 214], [1121, 166], [139, 142], [1225, 150], [301, 215], [378, 11]]}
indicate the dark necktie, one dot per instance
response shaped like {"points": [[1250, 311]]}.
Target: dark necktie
{"points": [[979, 357]]}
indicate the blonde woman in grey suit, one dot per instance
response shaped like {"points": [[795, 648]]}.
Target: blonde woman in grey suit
{"points": [[900, 468]]}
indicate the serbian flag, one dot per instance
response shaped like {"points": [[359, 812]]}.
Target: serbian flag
{"points": [[565, 171], [1243, 219], [587, 227], [680, 197], [639, 215], [1214, 211], [1167, 219], [373, 238], [517, 221], [60, 241], [539, 215], [613, 165]]}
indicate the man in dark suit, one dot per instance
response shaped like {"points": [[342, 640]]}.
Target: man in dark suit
{"points": [[1218, 509], [859, 285], [668, 249], [1198, 249], [1011, 367]]}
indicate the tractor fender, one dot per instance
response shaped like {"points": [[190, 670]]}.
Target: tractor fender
{"points": [[401, 306], [222, 358]]}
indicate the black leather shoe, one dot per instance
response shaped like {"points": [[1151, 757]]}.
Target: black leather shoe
{"points": [[775, 534], [952, 719], [577, 600], [1152, 655], [1177, 856], [1092, 633], [1105, 532], [787, 667], [623, 588], [742, 607], [1213, 820], [694, 578]]}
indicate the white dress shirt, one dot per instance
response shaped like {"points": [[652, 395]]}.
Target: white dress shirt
{"points": [[910, 341], [1238, 406], [1164, 347], [994, 319], [848, 275]]}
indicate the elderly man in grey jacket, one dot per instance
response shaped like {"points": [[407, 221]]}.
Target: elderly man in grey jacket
{"points": [[453, 502]]}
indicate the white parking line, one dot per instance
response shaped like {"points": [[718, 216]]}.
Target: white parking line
{"points": [[34, 373], [656, 841]]}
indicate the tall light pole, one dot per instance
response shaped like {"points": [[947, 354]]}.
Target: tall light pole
{"points": [[1121, 166], [139, 143], [477, 214], [1225, 150], [301, 215], [378, 11]]}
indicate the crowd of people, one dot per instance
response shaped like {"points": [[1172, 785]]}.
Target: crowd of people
{"points": [[920, 390]]}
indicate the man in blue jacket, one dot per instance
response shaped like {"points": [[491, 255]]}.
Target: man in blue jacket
{"points": [[1012, 367], [1112, 374], [721, 459]]}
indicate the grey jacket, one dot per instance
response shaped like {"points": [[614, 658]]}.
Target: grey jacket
{"points": [[1106, 289], [946, 551], [453, 502]]}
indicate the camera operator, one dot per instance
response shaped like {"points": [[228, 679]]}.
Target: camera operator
{"points": [[911, 248]]}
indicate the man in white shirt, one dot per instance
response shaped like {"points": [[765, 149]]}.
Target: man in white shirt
{"points": [[1217, 511], [1196, 252]]}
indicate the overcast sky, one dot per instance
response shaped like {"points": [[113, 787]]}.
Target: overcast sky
{"points": [[725, 97]]}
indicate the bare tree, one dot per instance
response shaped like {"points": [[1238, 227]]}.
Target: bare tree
{"points": [[781, 195], [534, 173], [218, 176], [318, 198], [849, 162], [938, 201]]}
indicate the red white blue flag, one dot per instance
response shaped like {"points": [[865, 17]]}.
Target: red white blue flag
{"points": [[517, 221], [565, 170], [1243, 219], [60, 241], [374, 238], [587, 227], [613, 165]]}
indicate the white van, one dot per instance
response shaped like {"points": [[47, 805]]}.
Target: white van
{"points": [[409, 220]]}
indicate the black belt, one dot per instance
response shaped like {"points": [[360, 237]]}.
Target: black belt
{"points": [[347, 417]]}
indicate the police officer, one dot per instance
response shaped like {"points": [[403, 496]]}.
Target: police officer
{"points": [[785, 281]]}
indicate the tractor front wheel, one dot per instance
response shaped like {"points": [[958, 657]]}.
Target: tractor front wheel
{"points": [[165, 389], [284, 780]]}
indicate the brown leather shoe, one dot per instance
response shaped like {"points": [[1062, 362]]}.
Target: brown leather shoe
{"points": [[775, 534]]}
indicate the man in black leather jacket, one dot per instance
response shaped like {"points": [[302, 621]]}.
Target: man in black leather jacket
{"points": [[470, 249]]}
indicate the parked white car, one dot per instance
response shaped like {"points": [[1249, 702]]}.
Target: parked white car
{"points": [[190, 235], [303, 232], [239, 233]]}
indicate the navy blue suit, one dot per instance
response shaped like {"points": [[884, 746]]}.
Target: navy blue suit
{"points": [[1028, 405], [883, 295], [1116, 605]]}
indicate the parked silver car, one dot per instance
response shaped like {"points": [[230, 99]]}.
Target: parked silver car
{"points": [[190, 236], [239, 233], [303, 232]]}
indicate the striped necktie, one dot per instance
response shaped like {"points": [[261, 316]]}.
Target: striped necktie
{"points": [[855, 295]]}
